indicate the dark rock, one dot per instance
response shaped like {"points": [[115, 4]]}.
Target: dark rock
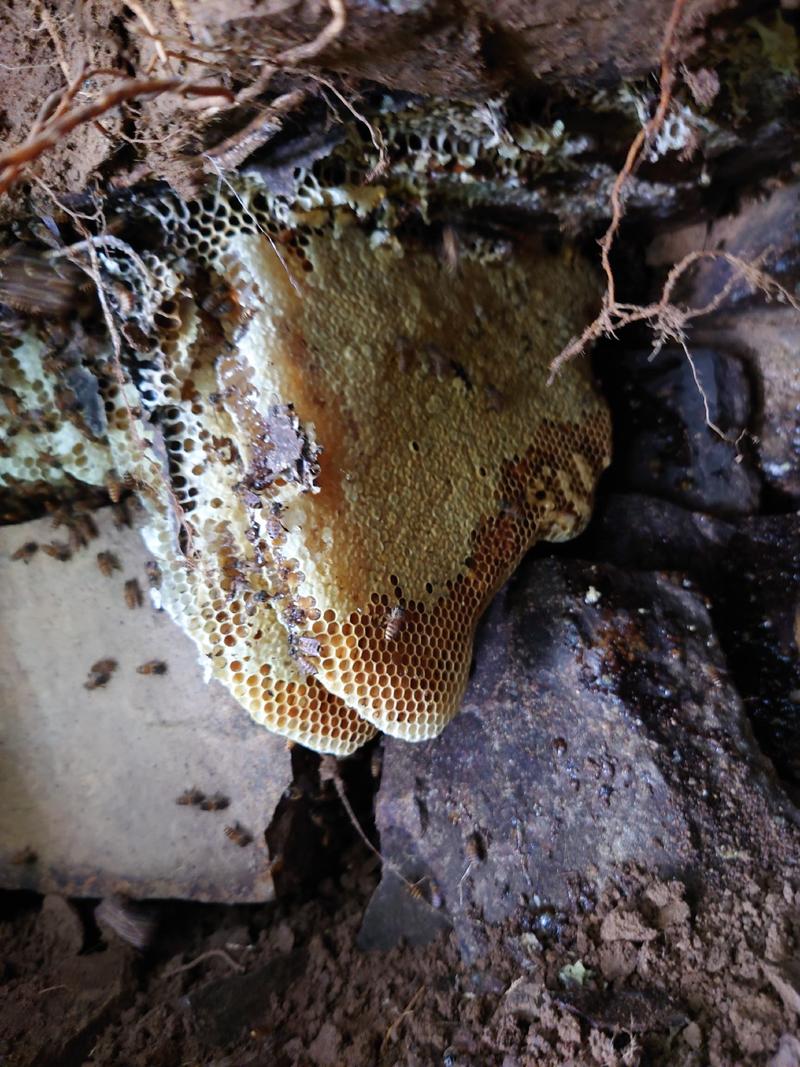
{"points": [[629, 1010], [600, 727], [393, 914], [221, 1010], [768, 339], [764, 232], [681, 437], [750, 570]]}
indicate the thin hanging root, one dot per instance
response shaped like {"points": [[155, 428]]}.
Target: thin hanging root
{"points": [[329, 772], [152, 33], [212, 953]]}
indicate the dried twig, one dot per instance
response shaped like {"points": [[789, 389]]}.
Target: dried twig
{"points": [[212, 953], [303, 52], [13, 159], [58, 44], [408, 1010], [233, 151], [375, 135]]}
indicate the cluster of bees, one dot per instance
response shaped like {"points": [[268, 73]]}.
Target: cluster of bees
{"points": [[101, 671], [195, 798]]}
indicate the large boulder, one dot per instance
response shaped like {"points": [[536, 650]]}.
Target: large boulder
{"points": [[600, 728]]}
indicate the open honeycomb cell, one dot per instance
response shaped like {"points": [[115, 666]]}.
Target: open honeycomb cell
{"points": [[343, 443]]}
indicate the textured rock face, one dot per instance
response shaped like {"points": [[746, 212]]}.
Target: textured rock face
{"points": [[750, 570], [763, 338], [671, 444], [768, 340], [600, 727]]}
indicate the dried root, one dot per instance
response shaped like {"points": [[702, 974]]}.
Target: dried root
{"points": [[666, 319]]}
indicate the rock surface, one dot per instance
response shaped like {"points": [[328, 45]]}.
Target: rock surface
{"points": [[678, 442], [755, 326], [750, 570], [600, 728], [89, 777]]}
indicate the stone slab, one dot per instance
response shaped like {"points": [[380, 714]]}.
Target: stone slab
{"points": [[89, 778]]}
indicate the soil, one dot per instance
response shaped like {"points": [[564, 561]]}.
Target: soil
{"points": [[645, 974]]}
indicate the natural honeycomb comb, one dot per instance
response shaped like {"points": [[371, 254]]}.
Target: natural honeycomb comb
{"points": [[343, 441], [444, 455]]}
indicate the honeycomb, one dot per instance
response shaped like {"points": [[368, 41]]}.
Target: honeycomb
{"points": [[343, 442]]}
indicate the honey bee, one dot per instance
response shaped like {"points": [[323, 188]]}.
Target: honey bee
{"points": [[238, 835], [121, 514], [414, 890], [153, 666], [251, 499], [274, 526], [306, 646], [58, 550], [123, 297], [306, 667], [216, 803], [65, 399], [294, 616], [190, 797], [12, 402], [25, 552], [104, 666], [113, 486], [107, 563], [394, 623], [100, 673], [220, 301], [153, 572], [82, 528], [49, 459], [133, 593], [37, 286]]}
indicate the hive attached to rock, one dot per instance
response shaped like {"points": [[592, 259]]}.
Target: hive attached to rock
{"points": [[343, 445]]}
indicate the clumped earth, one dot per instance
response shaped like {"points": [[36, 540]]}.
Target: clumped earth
{"points": [[644, 974], [684, 957]]}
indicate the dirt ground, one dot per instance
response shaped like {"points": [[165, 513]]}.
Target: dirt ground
{"points": [[644, 974]]}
